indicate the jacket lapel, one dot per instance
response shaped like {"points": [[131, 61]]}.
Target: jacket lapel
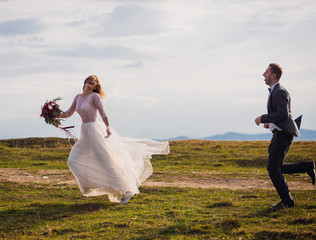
{"points": [[276, 87]]}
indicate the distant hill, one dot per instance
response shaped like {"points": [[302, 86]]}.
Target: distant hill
{"points": [[306, 135], [181, 138], [233, 136]]}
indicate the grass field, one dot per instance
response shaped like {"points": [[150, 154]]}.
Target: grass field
{"points": [[42, 211]]}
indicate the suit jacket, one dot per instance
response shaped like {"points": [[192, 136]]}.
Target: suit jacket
{"points": [[279, 111]]}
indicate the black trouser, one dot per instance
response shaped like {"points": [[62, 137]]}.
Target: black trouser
{"points": [[278, 148], [289, 168]]}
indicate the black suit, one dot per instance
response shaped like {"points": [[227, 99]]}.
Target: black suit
{"points": [[279, 113]]}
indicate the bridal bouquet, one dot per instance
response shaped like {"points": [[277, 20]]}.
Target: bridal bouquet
{"points": [[51, 111]]}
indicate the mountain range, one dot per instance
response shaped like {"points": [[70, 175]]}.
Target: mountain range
{"points": [[306, 135]]}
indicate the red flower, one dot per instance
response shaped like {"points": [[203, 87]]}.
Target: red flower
{"points": [[51, 112]]}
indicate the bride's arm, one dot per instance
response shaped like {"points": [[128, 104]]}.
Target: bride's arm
{"points": [[71, 110], [99, 105], [106, 121], [107, 124]]}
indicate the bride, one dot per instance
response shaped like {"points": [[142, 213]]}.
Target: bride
{"points": [[101, 161]]}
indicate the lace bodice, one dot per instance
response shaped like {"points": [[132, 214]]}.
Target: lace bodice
{"points": [[87, 107]]}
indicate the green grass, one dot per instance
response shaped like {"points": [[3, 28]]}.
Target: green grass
{"points": [[185, 157], [157, 213], [34, 153], [38, 211]]}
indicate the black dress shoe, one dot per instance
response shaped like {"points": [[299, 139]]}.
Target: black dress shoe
{"points": [[310, 169], [282, 204]]}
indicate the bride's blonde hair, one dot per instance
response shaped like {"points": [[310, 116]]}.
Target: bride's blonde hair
{"points": [[98, 89]]}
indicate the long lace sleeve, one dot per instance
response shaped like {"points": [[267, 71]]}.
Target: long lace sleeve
{"points": [[99, 105], [72, 108]]}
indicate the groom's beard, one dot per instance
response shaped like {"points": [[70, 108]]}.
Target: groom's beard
{"points": [[268, 80]]}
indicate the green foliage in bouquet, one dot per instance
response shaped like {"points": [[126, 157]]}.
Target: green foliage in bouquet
{"points": [[51, 112]]}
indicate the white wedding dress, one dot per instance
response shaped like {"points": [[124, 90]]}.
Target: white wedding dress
{"points": [[113, 166]]}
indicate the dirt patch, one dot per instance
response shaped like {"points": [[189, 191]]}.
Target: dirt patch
{"points": [[60, 178], [50, 177]]}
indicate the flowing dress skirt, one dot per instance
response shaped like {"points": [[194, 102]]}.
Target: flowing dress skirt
{"points": [[113, 165]]}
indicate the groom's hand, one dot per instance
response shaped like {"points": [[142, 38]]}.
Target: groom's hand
{"points": [[266, 125], [258, 120]]}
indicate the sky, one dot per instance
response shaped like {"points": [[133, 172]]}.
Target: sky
{"points": [[168, 67]]}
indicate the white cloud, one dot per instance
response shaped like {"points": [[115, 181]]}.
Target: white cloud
{"points": [[131, 20], [168, 67], [20, 27], [102, 52]]}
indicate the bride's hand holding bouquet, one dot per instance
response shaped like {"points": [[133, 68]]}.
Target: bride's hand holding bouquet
{"points": [[52, 114]]}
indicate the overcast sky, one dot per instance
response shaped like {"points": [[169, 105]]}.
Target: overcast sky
{"points": [[169, 68]]}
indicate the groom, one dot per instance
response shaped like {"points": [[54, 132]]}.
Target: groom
{"points": [[279, 121]]}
